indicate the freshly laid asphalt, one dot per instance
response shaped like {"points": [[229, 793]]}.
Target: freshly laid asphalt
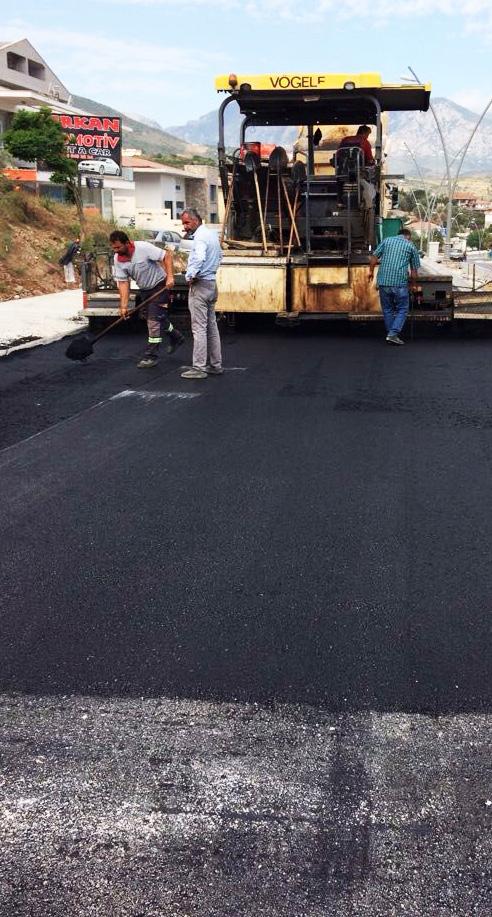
{"points": [[304, 540]]}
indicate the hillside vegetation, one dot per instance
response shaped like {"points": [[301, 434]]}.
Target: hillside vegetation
{"points": [[34, 232]]}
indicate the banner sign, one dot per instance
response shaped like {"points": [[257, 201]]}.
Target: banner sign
{"points": [[94, 183], [91, 137]]}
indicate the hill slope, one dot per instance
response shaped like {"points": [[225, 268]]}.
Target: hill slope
{"points": [[147, 136], [34, 232], [418, 132]]}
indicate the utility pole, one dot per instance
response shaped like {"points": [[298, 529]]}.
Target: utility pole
{"points": [[452, 181]]}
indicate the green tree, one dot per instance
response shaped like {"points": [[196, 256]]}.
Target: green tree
{"points": [[479, 239], [36, 136]]}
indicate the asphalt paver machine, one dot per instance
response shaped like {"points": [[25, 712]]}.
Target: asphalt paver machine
{"points": [[300, 223]]}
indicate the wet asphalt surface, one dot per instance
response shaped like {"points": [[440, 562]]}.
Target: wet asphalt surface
{"points": [[245, 657]]}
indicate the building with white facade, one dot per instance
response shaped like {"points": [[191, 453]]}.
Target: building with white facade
{"points": [[163, 192]]}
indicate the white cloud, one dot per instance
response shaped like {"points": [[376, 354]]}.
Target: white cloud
{"points": [[94, 56], [472, 98], [474, 15], [102, 68]]}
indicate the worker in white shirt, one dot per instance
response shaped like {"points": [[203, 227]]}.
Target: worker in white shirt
{"points": [[152, 270], [203, 262]]}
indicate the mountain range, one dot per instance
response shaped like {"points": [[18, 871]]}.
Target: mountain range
{"points": [[411, 136], [412, 143]]}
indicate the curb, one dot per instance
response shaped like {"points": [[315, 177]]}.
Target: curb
{"points": [[39, 342]]}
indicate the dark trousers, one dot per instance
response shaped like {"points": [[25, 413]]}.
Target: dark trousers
{"points": [[155, 314]]}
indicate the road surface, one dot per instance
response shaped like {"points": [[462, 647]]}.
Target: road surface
{"points": [[245, 658]]}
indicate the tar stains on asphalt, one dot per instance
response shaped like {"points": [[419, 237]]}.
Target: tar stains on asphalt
{"points": [[171, 808]]}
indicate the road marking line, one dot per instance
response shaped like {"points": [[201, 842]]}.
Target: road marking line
{"points": [[152, 396], [124, 394]]}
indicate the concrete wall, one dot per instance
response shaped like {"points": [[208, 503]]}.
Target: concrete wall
{"points": [[156, 219], [123, 199], [124, 209], [196, 196], [204, 192]]}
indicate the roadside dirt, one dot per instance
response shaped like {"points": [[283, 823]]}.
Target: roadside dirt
{"points": [[27, 271], [34, 233]]}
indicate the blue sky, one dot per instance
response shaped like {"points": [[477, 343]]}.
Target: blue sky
{"points": [[159, 57]]}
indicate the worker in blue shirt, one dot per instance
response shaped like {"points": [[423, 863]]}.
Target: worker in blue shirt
{"points": [[395, 255]]}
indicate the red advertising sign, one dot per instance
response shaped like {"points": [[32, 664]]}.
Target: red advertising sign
{"points": [[94, 141]]}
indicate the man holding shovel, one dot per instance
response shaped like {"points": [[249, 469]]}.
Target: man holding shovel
{"points": [[152, 270]]}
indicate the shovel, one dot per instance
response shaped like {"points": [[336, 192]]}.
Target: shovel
{"points": [[252, 163], [82, 346], [277, 161], [298, 176], [228, 204]]}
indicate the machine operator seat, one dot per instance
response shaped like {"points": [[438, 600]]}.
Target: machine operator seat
{"points": [[349, 162]]}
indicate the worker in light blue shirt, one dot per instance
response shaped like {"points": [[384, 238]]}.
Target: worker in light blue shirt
{"points": [[203, 263], [395, 255]]}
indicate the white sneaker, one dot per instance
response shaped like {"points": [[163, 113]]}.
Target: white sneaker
{"points": [[194, 374], [214, 370]]}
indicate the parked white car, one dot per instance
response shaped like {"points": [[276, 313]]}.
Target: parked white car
{"points": [[173, 240], [101, 166]]}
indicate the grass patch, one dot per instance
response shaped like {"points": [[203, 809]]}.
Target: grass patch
{"points": [[18, 270], [51, 254]]}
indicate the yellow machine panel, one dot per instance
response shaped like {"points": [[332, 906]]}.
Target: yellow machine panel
{"points": [[300, 81], [252, 285], [334, 289]]}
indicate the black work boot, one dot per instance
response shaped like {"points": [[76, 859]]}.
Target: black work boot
{"points": [[175, 339]]}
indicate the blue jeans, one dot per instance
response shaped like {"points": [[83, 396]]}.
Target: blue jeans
{"points": [[395, 302]]}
